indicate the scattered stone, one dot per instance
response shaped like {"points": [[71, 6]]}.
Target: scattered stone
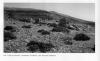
{"points": [[67, 41]]}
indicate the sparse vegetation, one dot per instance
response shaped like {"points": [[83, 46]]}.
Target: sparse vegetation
{"points": [[67, 40], [40, 31]]}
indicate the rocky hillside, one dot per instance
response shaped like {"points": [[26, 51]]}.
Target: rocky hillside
{"points": [[32, 30]]}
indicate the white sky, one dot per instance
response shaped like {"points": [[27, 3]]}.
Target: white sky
{"points": [[84, 11]]}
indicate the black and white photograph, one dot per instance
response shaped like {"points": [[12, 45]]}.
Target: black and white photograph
{"points": [[49, 28]]}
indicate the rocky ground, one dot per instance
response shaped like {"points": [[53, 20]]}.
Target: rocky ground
{"points": [[39, 31]]}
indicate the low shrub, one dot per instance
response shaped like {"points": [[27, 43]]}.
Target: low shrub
{"points": [[56, 29], [24, 20], [26, 26], [60, 29], [71, 28], [40, 30], [10, 28], [9, 36], [81, 37], [93, 48], [62, 22], [43, 32], [45, 47], [39, 46], [10, 15], [36, 21], [33, 46], [52, 24]]}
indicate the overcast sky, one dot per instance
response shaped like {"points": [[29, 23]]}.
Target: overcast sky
{"points": [[84, 11]]}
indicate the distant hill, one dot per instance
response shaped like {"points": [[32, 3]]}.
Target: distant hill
{"points": [[43, 14]]}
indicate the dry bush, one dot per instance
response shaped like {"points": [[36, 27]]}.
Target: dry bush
{"points": [[43, 32], [26, 26], [52, 24], [81, 37], [62, 22], [10, 28], [24, 20], [9, 36], [60, 29], [39, 46]]}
